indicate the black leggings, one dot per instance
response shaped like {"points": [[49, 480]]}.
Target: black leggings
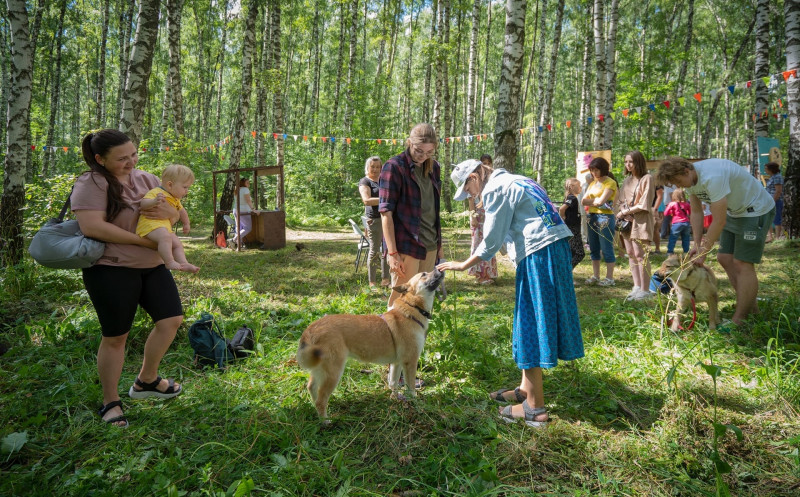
{"points": [[116, 293]]}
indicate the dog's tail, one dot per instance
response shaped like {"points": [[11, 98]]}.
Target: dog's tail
{"points": [[308, 356]]}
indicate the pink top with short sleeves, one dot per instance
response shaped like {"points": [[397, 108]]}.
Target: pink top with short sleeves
{"points": [[90, 194]]}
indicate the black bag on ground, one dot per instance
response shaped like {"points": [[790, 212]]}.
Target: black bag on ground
{"points": [[210, 347], [243, 342]]}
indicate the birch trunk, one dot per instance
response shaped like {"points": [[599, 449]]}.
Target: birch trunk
{"points": [[339, 61], [55, 95], [761, 126], [548, 94], [242, 108], [600, 58], [261, 90], [447, 117], [506, 129], [485, 63], [125, 23], [100, 99], [791, 187], [278, 98], [426, 106], [438, 94], [684, 68], [135, 96], [611, 76], [314, 107], [584, 130], [12, 200], [174, 13], [472, 67]]}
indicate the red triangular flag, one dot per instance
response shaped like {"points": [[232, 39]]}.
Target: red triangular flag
{"points": [[698, 97], [666, 103], [549, 128], [786, 74], [601, 117]]}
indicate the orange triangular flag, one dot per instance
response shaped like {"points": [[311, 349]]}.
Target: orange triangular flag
{"points": [[698, 97], [625, 112]]}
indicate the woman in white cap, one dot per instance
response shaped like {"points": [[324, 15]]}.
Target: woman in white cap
{"points": [[546, 325]]}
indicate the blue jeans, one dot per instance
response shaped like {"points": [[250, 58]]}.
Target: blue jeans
{"points": [[601, 237], [682, 230]]}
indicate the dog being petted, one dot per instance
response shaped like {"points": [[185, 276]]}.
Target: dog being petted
{"points": [[692, 284], [395, 337]]}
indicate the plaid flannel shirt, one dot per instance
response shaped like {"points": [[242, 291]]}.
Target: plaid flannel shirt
{"points": [[400, 195]]}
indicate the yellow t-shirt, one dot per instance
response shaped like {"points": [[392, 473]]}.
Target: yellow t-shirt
{"points": [[146, 225], [596, 190]]}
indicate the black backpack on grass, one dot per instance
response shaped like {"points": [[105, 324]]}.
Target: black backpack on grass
{"points": [[212, 348]]}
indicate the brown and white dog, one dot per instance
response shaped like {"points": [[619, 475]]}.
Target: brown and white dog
{"points": [[395, 337], [691, 282]]}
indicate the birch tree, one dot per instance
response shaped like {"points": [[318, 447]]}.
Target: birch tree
{"points": [[17, 134], [135, 96], [100, 93], [611, 76], [472, 68], [791, 192], [174, 12], [55, 93], [761, 70], [684, 67], [600, 59], [506, 129], [275, 7], [240, 116], [548, 92]]}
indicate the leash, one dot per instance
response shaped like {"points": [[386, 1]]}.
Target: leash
{"points": [[694, 317]]}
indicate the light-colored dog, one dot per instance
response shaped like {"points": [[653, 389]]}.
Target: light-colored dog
{"points": [[691, 282], [396, 337]]}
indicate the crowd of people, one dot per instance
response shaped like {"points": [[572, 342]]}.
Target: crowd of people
{"points": [[706, 201]]}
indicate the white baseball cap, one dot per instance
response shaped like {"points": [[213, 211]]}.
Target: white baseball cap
{"points": [[460, 174]]}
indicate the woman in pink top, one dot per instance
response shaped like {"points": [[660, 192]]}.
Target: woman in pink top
{"points": [[130, 274], [680, 210]]}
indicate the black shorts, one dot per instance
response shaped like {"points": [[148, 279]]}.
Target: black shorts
{"points": [[117, 292]]}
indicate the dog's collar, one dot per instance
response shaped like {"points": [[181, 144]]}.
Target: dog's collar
{"points": [[423, 312]]}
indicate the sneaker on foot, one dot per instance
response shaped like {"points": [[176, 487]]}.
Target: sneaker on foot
{"points": [[606, 282], [591, 280], [643, 295], [633, 293]]}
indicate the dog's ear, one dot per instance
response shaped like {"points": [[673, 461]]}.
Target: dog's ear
{"points": [[401, 288]]}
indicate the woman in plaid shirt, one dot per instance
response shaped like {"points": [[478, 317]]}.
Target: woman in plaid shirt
{"points": [[410, 189]]}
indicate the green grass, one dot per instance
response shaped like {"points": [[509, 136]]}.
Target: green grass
{"points": [[642, 414]]}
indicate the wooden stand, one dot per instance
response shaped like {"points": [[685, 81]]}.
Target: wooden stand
{"points": [[269, 227]]}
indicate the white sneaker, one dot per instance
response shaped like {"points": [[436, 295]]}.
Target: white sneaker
{"points": [[633, 293], [643, 295], [606, 282], [591, 280]]}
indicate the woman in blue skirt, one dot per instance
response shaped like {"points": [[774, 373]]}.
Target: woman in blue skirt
{"points": [[546, 325]]}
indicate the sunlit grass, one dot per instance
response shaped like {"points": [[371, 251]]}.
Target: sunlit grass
{"points": [[633, 417]]}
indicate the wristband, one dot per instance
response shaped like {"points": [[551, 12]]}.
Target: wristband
{"points": [[391, 254]]}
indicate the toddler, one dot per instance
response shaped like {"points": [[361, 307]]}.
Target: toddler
{"points": [[175, 183], [571, 215], [680, 210]]}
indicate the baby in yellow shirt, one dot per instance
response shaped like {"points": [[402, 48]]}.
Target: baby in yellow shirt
{"points": [[175, 182]]}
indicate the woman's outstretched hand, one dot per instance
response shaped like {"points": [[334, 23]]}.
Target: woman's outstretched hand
{"points": [[451, 265]]}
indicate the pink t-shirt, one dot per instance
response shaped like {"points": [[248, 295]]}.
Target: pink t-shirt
{"points": [[680, 211], [90, 195]]}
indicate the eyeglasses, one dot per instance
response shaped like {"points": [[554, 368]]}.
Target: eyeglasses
{"points": [[420, 152]]}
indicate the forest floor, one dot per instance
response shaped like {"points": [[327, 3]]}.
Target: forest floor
{"points": [[645, 412]]}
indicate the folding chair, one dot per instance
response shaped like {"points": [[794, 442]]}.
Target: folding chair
{"points": [[362, 244], [231, 226]]}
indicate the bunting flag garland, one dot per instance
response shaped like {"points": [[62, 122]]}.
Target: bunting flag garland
{"points": [[626, 112]]}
